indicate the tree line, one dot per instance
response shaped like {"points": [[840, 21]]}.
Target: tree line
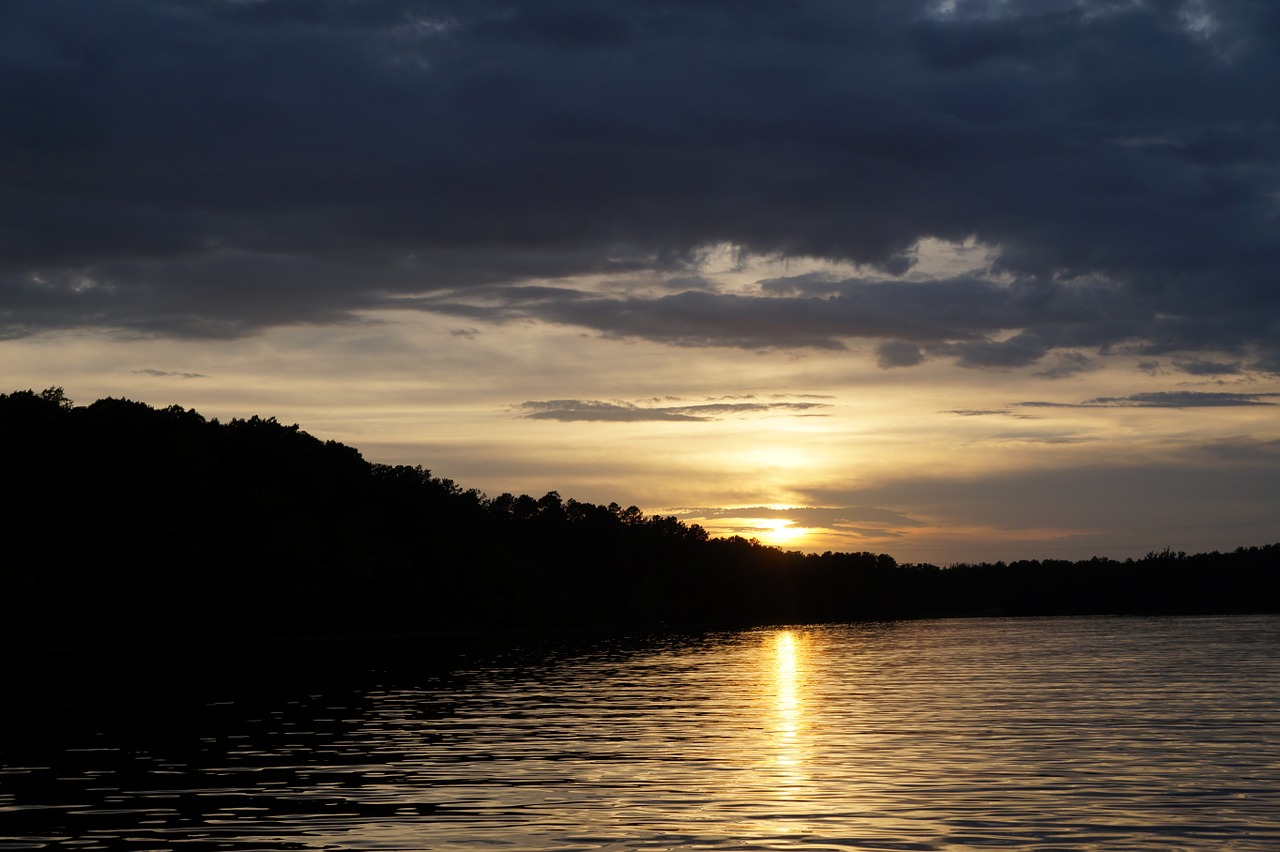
{"points": [[134, 522]]}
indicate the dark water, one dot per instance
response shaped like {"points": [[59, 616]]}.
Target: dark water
{"points": [[1107, 734]]}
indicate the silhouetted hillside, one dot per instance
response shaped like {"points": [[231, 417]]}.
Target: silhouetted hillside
{"points": [[136, 522]]}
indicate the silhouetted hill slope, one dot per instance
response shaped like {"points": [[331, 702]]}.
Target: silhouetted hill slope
{"points": [[136, 522]]}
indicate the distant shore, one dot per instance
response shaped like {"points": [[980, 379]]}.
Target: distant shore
{"points": [[144, 525]]}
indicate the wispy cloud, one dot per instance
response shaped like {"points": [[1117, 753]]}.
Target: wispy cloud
{"points": [[993, 412], [168, 374], [1166, 399], [836, 519], [570, 410]]}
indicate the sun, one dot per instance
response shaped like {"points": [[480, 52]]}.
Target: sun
{"points": [[780, 532]]}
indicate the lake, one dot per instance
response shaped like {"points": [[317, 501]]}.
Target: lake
{"points": [[1062, 733]]}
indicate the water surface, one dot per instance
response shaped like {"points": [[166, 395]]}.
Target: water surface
{"points": [[1091, 733]]}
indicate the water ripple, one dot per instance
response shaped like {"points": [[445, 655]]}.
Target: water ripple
{"points": [[1115, 734]]}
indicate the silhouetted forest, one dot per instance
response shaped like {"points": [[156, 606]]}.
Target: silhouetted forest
{"points": [[131, 522]]}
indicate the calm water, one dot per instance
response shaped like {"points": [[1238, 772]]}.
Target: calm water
{"points": [[1013, 734]]}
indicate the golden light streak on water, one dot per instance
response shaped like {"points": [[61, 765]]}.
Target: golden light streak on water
{"points": [[789, 723], [1075, 733]]}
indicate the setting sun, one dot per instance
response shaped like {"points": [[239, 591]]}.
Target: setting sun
{"points": [[779, 532]]}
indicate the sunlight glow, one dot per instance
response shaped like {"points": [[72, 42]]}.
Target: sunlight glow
{"points": [[788, 709], [785, 678], [780, 532]]}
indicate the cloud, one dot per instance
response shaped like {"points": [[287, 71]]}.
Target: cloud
{"points": [[1185, 399], [169, 374], [1240, 451], [195, 168], [993, 412], [1219, 494], [898, 353], [574, 410], [849, 524], [1201, 367], [951, 317], [1068, 364], [1166, 399]]}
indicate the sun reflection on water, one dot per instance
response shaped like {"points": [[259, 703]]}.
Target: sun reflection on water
{"points": [[788, 709]]}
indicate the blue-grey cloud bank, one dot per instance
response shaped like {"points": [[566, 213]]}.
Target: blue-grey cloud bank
{"points": [[210, 168]]}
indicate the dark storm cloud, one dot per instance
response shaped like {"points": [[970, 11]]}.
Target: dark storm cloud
{"points": [[210, 167], [569, 410], [945, 318]]}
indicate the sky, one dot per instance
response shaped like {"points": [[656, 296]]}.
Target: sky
{"points": [[952, 280]]}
